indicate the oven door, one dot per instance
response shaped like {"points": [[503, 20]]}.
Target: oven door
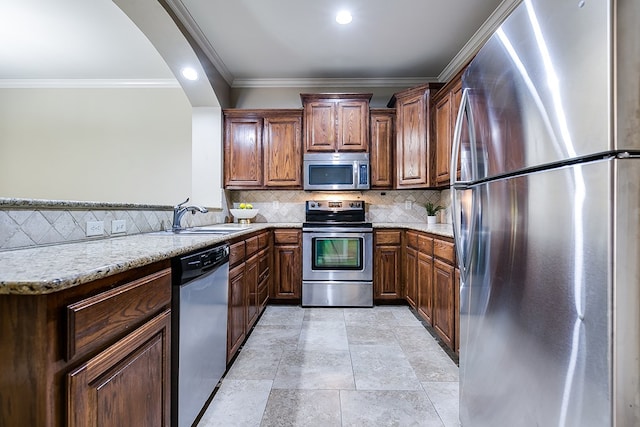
{"points": [[337, 256]]}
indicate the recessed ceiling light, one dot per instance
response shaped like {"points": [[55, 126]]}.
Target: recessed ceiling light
{"points": [[189, 73], [343, 17]]}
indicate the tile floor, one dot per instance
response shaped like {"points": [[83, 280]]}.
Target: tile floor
{"points": [[338, 367]]}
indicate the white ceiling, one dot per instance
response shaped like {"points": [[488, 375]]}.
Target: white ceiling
{"points": [[300, 39], [249, 41]]}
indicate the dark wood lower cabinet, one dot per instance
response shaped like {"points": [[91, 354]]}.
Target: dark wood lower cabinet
{"points": [[251, 278], [456, 311], [237, 310], [387, 262], [411, 276], [443, 312], [287, 265], [425, 287], [126, 384], [97, 354]]}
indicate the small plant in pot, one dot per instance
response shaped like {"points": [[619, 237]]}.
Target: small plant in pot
{"points": [[432, 210]]}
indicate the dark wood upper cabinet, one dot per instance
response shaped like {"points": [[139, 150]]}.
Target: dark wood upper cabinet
{"points": [[443, 140], [381, 151], [336, 121], [283, 150], [413, 109], [446, 106], [262, 149], [243, 152]]}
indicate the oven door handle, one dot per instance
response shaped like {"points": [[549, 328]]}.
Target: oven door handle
{"points": [[334, 230]]}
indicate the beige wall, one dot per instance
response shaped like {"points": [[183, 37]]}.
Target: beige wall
{"points": [[121, 145]]}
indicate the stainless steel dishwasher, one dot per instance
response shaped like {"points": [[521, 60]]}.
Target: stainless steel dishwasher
{"points": [[199, 330]]}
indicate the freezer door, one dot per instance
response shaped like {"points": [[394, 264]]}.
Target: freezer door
{"points": [[540, 90], [535, 304]]}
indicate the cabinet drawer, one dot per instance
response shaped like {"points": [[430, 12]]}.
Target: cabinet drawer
{"points": [[444, 250], [100, 318], [263, 240], [263, 261], [286, 236], [236, 253], [388, 237], [252, 245], [425, 244], [412, 239]]}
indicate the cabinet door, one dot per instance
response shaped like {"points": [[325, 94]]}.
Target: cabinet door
{"points": [[381, 153], [425, 287], [236, 322], [443, 298], [320, 126], [243, 152], [443, 139], [128, 384], [456, 99], [411, 143], [251, 290], [353, 125], [386, 274], [264, 277], [410, 274], [283, 151], [287, 282], [456, 311]]}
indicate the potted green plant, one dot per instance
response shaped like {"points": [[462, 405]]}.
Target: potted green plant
{"points": [[432, 210]]}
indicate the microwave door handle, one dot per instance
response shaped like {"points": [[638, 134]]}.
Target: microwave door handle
{"points": [[356, 169]]}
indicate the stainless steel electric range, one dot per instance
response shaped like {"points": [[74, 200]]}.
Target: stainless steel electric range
{"points": [[337, 255]]}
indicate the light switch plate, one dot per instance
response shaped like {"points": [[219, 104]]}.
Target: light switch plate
{"points": [[118, 226], [95, 228]]}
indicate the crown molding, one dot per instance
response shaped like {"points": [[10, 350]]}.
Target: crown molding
{"points": [[88, 83], [480, 37], [185, 18], [332, 82]]}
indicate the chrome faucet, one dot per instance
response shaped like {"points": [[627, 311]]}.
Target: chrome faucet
{"points": [[180, 209]]}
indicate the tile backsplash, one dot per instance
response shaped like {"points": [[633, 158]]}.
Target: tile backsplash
{"points": [[27, 223], [382, 206]]}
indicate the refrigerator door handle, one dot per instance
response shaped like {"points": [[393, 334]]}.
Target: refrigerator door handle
{"points": [[464, 211], [464, 151], [457, 132]]}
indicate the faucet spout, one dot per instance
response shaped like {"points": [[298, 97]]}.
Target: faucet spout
{"points": [[180, 209]]}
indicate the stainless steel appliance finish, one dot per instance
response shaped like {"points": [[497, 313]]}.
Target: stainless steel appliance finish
{"points": [[361, 266], [337, 255], [546, 219], [199, 330], [336, 171]]}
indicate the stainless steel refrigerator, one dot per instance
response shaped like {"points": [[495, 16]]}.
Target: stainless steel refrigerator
{"points": [[546, 213]]}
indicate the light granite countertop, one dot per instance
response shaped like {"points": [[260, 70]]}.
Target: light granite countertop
{"points": [[47, 269]]}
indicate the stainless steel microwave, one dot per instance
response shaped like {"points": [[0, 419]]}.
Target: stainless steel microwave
{"points": [[336, 171]]}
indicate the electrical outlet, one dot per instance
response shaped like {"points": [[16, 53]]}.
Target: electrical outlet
{"points": [[95, 228], [118, 226], [407, 204], [275, 204]]}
